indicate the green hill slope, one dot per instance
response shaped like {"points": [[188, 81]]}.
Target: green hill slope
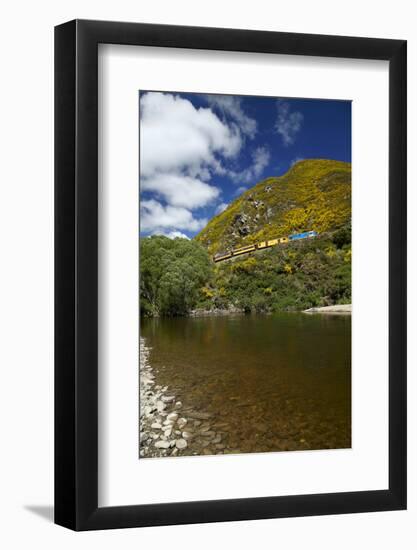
{"points": [[312, 195]]}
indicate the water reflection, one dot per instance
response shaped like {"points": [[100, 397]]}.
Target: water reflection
{"points": [[271, 383]]}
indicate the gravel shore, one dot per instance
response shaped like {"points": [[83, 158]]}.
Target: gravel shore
{"points": [[342, 308], [167, 428]]}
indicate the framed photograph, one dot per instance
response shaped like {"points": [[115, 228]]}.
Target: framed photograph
{"points": [[230, 338]]}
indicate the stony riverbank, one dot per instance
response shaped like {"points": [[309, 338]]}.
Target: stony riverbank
{"points": [[215, 312], [341, 308], [167, 426]]}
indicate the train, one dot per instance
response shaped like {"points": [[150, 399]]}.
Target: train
{"points": [[263, 244]]}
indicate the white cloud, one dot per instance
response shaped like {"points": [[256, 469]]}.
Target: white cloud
{"points": [[260, 160], [154, 217], [180, 190], [172, 234], [177, 137], [241, 190], [232, 106], [288, 123], [221, 207], [181, 147]]}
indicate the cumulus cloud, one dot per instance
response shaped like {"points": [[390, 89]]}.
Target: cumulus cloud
{"points": [[155, 217], [172, 234], [177, 137], [221, 207], [180, 190], [181, 147], [288, 122], [260, 160], [232, 107]]}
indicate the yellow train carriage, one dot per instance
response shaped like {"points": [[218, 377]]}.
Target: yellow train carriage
{"points": [[263, 244], [243, 250], [273, 242], [221, 257]]}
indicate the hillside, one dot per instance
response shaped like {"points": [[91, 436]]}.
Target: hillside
{"points": [[312, 195], [178, 275]]}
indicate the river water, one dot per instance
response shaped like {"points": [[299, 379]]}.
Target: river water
{"points": [[269, 382]]}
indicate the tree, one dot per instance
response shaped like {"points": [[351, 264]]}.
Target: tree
{"points": [[172, 273]]}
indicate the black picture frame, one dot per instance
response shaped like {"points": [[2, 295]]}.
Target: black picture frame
{"points": [[76, 272]]}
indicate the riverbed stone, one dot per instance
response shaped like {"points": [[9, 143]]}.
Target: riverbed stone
{"points": [[181, 444], [162, 444], [181, 423], [156, 425], [208, 433], [168, 398], [200, 415]]}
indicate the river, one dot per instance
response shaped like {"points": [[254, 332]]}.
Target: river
{"points": [[277, 382]]}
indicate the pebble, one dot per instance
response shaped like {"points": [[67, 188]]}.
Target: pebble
{"points": [[181, 423], [172, 416], [168, 398], [156, 426], [160, 405], [187, 435], [162, 444], [181, 444], [178, 405]]}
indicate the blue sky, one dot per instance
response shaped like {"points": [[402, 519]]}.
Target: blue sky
{"points": [[199, 152]]}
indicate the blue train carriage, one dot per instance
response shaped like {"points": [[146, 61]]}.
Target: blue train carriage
{"points": [[305, 235]]}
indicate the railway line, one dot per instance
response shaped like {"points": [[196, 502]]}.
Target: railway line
{"points": [[222, 256]]}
